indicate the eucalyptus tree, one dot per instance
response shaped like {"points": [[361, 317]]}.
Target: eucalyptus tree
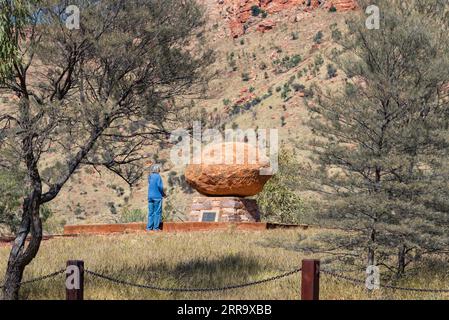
{"points": [[94, 95]]}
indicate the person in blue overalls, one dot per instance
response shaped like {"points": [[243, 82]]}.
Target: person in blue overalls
{"points": [[155, 195]]}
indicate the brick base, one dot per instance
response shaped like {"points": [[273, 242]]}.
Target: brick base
{"points": [[230, 209]]}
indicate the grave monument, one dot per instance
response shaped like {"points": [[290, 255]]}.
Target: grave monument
{"points": [[229, 172]]}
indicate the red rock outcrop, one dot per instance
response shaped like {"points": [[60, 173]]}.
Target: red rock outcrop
{"points": [[342, 5], [239, 11], [223, 178], [266, 25]]}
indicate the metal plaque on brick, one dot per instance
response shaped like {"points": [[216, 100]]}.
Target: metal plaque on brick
{"points": [[209, 216]]}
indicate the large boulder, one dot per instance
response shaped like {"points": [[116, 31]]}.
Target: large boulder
{"points": [[236, 171]]}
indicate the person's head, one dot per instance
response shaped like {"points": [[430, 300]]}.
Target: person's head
{"points": [[155, 168]]}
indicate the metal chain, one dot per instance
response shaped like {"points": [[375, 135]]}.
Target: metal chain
{"points": [[386, 286], [284, 275], [41, 278], [144, 286]]}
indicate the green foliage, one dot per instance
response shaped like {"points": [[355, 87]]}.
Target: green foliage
{"points": [[318, 37], [13, 17], [245, 76], [285, 91], [132, 215], [335, 32], [11, 194], [331, 71], [255, 10], [112, 207], [278, 202], [318, 61], [287, 63]]}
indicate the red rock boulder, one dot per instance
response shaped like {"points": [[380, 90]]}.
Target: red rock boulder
{"points": [[229, 169]]}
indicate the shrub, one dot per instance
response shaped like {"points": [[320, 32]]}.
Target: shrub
{"points": [[112, 207], [298, 87], [295, 60], [226, 102], [286, 63], [132, 215], [286, 91], [318, 60], [308, 93], [235, 109], [318, 37], [245, 76], [291, 79], [255, 11], [283, 123], [335, 32], [295, 35], [278, 201], [332, 9], [331, 71]]}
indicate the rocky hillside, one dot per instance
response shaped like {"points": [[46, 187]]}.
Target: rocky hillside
{"points": [[269, 53], [239, 13]]}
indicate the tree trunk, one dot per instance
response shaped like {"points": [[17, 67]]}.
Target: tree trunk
{"points": [[401, 261], [371, 250], [20, 256]]}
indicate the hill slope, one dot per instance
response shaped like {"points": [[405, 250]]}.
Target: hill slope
{"points": [[269, 52]]}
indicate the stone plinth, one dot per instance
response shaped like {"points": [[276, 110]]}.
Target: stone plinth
{"points": [[228, 209]]}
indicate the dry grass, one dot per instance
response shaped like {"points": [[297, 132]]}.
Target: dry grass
{"points": [[196, 260]]}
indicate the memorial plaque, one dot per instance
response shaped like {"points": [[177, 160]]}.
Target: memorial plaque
{"points": [[209, 216]]}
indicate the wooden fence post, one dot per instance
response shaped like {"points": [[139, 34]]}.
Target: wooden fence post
{"points": [[310, 281], [75, 280]]}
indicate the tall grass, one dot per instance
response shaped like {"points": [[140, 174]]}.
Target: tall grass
{"points": [[202, 259]]}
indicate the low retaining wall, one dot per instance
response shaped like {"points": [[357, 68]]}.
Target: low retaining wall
{"points": [[174, 227], [104, 228]]}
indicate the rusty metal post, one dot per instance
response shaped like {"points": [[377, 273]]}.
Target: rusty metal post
{"points": [[310, 281], [75, 280]]}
